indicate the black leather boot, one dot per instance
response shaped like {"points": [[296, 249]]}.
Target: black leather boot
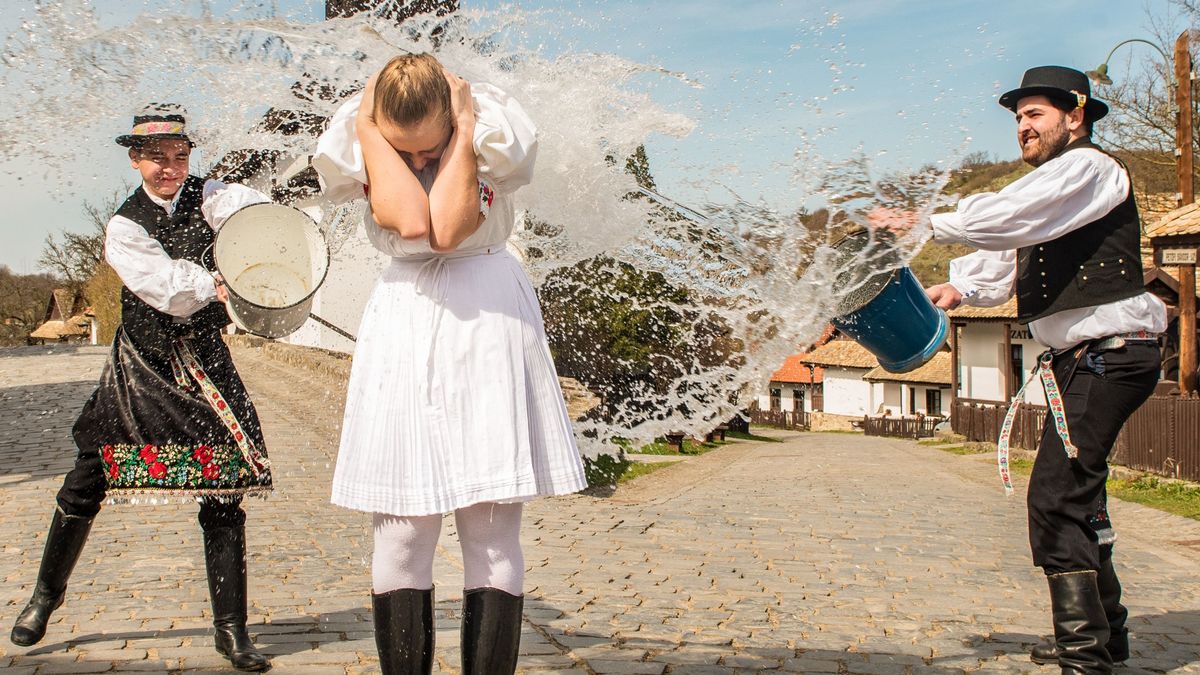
{"points": [[404, 631], [491, 631], [1080, 626], [64, 543], [1110, 596], [225, 558]]}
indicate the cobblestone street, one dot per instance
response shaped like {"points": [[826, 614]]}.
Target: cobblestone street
{"points": [[825, 553]]}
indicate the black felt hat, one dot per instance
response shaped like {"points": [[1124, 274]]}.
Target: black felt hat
{"points": [[1057, 82], [158, 120]]}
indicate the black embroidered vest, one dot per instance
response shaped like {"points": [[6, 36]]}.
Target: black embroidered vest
{"points": [[183, 235], [1098, 263]]}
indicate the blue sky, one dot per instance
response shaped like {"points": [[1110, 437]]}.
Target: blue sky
{"points": [[904, 82]]}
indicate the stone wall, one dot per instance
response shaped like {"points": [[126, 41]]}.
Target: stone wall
{"points": [[822, 421]]}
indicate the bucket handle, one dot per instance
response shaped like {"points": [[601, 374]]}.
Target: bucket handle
{"points": [[344, 333]]}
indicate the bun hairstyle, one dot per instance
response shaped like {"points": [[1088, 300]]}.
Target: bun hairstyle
{"points": [[410, 88]]}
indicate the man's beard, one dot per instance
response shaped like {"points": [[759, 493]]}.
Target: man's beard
{"points": [[1048, 145]]}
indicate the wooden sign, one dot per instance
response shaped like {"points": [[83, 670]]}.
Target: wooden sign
{"points": [[1179, 256]]}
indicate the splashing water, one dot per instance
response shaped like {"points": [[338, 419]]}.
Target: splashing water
{"points": [[748, 286]]}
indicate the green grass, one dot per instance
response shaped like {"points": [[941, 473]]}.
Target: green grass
{"points": [[751, 437], [639, 469], [1020, 465], [963, 450], [690, 447], [1182, 499]]}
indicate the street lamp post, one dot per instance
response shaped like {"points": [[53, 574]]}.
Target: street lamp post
{"points": [[1184, 171]]}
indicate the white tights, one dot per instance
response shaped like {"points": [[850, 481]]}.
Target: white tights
{"points": [[489, 534]]}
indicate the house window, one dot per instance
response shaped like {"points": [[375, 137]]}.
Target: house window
{"points": [[912, 400], [776, 396], [1016, 369], [797, 400], [933, 402]]}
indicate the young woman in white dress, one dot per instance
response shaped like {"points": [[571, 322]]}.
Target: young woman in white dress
{"points": [[453, 402]]}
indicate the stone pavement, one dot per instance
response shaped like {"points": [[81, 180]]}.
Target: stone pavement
{"points": [[825, 553]]}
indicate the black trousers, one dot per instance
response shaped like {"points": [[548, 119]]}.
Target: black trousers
{"points": [[84, 488], [1067, 498]]}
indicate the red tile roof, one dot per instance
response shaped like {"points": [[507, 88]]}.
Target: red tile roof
{"points": [[795, 370]]}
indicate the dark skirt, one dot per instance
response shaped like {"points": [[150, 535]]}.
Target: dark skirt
{"points": [[175, 421]]}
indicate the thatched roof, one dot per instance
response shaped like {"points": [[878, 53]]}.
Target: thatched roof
{"points": [[67, 316], [841, 354], [936, 371], [78, 326]]}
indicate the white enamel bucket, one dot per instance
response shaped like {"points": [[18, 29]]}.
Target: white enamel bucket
{"points": [[273, 258]]}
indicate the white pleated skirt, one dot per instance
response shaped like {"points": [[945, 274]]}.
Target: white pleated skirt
{"points": [[453, 397]]}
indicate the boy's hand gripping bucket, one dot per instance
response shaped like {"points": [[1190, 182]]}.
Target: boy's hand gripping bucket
{"points": [[887, 312], [273, 258]]}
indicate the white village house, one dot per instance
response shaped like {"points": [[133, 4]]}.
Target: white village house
{"points": [[923, 391], [992, 354], [795, 387]]}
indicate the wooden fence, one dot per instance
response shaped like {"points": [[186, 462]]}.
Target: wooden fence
{"points": [[782, 419], [900, 427], [1162, 436]]}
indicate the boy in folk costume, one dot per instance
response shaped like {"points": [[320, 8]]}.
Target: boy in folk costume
{"points": [[1066, 240], [170, 416]]}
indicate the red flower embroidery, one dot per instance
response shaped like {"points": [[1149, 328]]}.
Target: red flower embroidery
{"points": [[199, 374], [149, 453], [233, 425], [238, 436], [114, 471], [158, 470], [212, 471], [203, 454], [220, 405], [107, 452]]}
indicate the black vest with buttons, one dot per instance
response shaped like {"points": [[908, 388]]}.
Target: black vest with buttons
{"points": [[1098, 263], [184, 235]]}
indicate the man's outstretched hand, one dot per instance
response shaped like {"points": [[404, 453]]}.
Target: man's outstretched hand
{"points": [[944, 296]]}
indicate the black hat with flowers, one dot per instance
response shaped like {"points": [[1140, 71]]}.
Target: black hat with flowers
{"points": [[157, 121], [1060, 83]]}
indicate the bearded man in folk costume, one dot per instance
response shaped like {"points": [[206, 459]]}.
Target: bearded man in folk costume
{"points": [[1066, 240], [170, 416]]}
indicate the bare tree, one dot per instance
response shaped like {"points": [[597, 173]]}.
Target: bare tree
{"points": [[75, 256], [1141, 126]]}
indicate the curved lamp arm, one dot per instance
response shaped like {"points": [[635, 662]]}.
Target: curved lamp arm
{"points": [[1100, 74]]}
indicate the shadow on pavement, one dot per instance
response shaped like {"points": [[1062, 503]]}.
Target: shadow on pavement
{"points": [[1151, 644]]}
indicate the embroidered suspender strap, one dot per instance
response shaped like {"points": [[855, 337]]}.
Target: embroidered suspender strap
{"points": [[1006, 433], [188, 362], [1055, 401], [181, 377], [1045, 371]]}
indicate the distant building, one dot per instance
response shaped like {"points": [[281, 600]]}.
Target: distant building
{"points": [[795, 387], [68, 319], [924, 391], [846, 396], [993, 354]]}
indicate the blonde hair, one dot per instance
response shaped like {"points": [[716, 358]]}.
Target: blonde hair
{"points": [[410, 88]]}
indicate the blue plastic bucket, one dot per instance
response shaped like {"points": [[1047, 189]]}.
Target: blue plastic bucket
{"points": [[887, 312]]}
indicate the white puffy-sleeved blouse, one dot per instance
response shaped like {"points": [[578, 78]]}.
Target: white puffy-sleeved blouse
{"points": [[174, 286], [505, 143]]}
